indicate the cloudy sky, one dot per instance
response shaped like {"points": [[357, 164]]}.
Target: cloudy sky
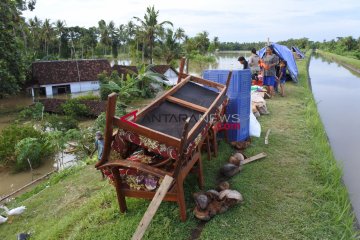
{"points": [[230, 20]]}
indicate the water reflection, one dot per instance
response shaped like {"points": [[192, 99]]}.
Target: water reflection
{"points": [[336, 90]]}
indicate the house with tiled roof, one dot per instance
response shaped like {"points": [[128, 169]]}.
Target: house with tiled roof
{"points": [[67, 76]]}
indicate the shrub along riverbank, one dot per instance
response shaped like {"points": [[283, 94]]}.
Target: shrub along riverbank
{"points": [[294, 193], [347, 61]]}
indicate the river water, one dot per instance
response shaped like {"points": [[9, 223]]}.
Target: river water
{"points": [[336, 90]]}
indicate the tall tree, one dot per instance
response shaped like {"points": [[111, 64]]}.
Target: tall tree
{"points": [[12, 53], [47, 34], [151, 27], [60, 28]]}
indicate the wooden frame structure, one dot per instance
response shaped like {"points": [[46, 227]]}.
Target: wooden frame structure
{"points": [[184, 162]]}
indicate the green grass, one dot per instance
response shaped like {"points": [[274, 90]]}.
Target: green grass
{"points": [[352, 62], [294, 193]]}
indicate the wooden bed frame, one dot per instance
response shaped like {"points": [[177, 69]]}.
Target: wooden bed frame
{"points": [[184, 162]]}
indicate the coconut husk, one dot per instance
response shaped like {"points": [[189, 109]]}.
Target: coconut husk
{"points": [[223, 186], [229, 170]]}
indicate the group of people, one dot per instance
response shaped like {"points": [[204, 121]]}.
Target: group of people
{"points": [[270, 68]]}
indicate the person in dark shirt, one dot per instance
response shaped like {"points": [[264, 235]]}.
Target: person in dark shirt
{"points": [[282, 77], [243, 61]]}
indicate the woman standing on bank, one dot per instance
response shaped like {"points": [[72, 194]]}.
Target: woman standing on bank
{"points": [[270, 61]]}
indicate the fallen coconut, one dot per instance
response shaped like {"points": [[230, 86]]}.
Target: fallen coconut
{"points": [[229, 170], [201, 215], [234, 160], [201, 200], [239, 156], [223, 186]]}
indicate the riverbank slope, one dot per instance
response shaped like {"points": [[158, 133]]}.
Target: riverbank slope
{"points": [[351, 63], [294, 193]]}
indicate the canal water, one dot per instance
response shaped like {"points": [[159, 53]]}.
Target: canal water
{"points": [[336, 91]]}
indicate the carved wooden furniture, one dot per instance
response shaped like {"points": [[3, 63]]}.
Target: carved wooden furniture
{"points": [[162, 139]]}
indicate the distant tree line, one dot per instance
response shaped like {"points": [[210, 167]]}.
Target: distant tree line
{"points": [[143, 39]]}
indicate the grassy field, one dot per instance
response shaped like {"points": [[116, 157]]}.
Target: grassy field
{"points": [[294, 193], [352, 62]]}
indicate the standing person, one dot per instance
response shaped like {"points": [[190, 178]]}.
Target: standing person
{"points": [[270, 61], [282, 77], [254, 62], [99, 146], [243, 61]]}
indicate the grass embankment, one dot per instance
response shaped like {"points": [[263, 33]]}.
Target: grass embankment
{"points": [[347, 61], [294, 193]]}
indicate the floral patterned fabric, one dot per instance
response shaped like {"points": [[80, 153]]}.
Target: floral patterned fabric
{"points": [[138, 180], [123, 137]]}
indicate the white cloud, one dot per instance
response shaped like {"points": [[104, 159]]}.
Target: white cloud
{"points": [[230, 20]]}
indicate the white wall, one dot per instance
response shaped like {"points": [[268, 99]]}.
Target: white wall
{"points": [[84, 86], [75, 87]]}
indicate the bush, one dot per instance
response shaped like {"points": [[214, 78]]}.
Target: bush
{"points": [[31, 150], [32, 113], [12, 135], [74, 108], [60, 123], [88, 97]]}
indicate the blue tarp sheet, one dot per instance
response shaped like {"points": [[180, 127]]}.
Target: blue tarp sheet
{"points": [[284, 53], [298, 52]]}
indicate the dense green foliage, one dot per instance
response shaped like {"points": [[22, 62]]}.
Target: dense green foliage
{"points": [[11, 136], [14, 55], [31, 151], [34, 112], [74, 108]]}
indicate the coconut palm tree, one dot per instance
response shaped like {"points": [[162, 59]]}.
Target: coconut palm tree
{"points": [[47, 32], [59, 28], [151, 27], [104, 35], [180, 34]]}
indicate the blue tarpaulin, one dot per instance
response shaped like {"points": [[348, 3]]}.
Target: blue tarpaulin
{"points": [[298, 52], [284, 53]]}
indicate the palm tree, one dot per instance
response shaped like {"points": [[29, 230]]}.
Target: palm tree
{"points": [[104, 34], [180, 34], [47, 31], [151, 27], [59, 27]]}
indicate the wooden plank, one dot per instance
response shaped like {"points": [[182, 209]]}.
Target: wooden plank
{"points": [[267, 137], [148, 132], [110, 113], [181, 69], [153, 207], [205, 82], [186, 104], [256, 157], [157, 102], [215, 102]]}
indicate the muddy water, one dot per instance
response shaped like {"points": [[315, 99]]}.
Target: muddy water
{"points": [[9, 182], [336, 90]]}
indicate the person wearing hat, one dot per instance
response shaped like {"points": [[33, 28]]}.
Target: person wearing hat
{"points": [[99, 146]]}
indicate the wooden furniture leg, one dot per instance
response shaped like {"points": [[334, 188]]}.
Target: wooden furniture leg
{"points": [[200, 173], [120, 194], [181, 199], [208, 147]]}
